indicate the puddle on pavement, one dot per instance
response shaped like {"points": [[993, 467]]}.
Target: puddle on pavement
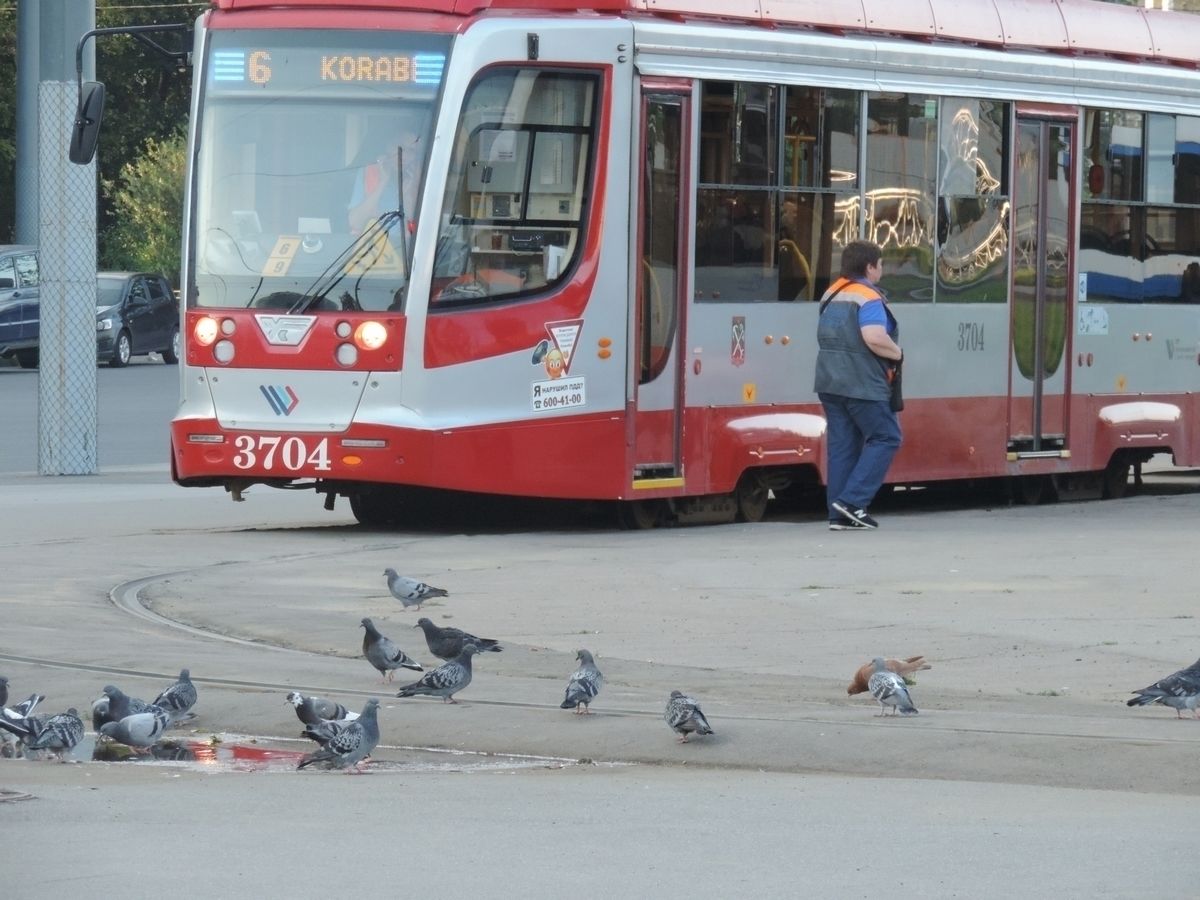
{"points": [[239, 753]]}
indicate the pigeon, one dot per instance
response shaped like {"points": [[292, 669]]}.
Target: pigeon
{"points": [[447, 643], [315, 710], [684, 716], [59, 734], [409, 591], [584, 684], [113, 705], [325, 730], [179, 698], [140, 730], [383, 654], [902, 667], [3, 692], [351, 745], [446, 680], [1179, 691], [18, 725], [890, 690]]}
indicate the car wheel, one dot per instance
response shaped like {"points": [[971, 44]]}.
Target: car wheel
{"points": [[122, 350], [27, 359], [171, 354]]}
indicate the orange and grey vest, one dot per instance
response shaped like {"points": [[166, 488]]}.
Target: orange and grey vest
{"points": [[845, 364]]}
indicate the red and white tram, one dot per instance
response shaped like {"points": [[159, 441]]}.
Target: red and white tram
{"points": [[595, 235]]}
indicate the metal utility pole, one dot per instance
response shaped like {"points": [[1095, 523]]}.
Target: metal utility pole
{"points": [[66, 238]]}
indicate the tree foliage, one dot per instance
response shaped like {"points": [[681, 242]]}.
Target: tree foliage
{"points": [[147, 206]]}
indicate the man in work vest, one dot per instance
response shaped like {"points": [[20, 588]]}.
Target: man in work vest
{"points": [[856, 336]]}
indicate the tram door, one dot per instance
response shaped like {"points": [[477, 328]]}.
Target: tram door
{"points": [[661, 267], [1041, 285]]}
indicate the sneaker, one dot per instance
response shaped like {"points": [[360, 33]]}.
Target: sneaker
{"points": [[859, 517], [841, 525]]}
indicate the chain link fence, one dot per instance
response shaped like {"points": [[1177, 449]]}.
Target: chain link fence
{"points": [[67, 411]]}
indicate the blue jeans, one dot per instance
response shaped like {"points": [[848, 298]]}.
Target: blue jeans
{"points": [[861, 438]]}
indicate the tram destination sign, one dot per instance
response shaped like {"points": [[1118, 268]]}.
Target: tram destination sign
{"points": [[287, 62]]}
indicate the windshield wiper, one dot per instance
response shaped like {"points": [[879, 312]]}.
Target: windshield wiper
{"points": [[357, 253]]}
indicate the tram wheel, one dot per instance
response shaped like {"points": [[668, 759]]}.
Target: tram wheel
{"points": [[1033, 490], [374, 508], [1115, 480], [751, 495], [640, 515]]}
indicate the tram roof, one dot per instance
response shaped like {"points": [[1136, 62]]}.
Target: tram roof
{"points": [[1072, 27]]}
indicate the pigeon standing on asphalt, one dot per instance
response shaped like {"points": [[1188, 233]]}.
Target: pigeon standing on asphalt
{"points": [[139, 730], [59, 734], [351, 745], [383, 654], [409, 591], [179, 698], [314, 710], [446, 680], [902, 667], [584, 684], [447, 643], [1180, 691], [684, 716], [890, 690]]}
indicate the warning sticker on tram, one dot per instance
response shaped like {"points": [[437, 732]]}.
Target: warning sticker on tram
{"points": [[561, 393]]}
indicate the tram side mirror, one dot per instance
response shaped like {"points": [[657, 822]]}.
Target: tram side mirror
{"points": [[86, 131]]}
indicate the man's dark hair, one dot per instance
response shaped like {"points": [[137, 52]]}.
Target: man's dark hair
{"points": [[857, 256]]}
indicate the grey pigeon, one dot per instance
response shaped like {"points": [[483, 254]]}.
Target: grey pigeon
{"points": [[315, 710], [447, 642], [351, 745], [59, 734], [114, 705], [383, 654], [446, 680], [179, 698], [409, 591], [584, 684], [684, 716], [325, 730], [890, 690], [140, 730], [1180, 691]]}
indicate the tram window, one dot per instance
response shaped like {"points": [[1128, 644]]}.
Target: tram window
{"points": [[820, 138], [1113, 154], [900, 185], [737, 133], [1187, 159], [518, 186], [973, 202]]}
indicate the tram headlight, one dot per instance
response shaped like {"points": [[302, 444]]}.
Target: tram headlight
{"points": [[370, 335], [223, 352], [205, 331]]}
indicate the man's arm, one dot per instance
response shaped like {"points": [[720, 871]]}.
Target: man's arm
{"points": [[880, 343]]}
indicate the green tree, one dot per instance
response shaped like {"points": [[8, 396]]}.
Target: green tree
{"points": [[147, 208]]}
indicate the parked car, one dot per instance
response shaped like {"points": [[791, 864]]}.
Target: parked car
{"points": [[19, 292], [136, 313]]}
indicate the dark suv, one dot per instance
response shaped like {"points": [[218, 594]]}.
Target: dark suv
{"points": [[19, 292], [136, 313]]}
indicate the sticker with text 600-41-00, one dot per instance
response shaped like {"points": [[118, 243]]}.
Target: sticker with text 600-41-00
{"points": [[275, 452], [560, 393]]}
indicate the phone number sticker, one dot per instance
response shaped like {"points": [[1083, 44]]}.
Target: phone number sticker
{"points": [[561, 393]]}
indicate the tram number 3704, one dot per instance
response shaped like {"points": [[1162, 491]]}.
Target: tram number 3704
{"points": [[273, 452], [970, 336]]}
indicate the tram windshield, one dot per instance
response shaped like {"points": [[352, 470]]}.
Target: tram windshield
{"points": [[312, 148]]}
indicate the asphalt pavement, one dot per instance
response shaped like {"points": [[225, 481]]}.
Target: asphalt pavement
{"points": [[1025, 772]]}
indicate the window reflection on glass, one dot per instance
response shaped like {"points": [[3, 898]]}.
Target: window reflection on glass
{"points": [[737, 133], [1187, 159], [901, 166], [1140, 254], [658, 287], [735, 245], [1113, 154], [973, 203], [820, 138]]}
